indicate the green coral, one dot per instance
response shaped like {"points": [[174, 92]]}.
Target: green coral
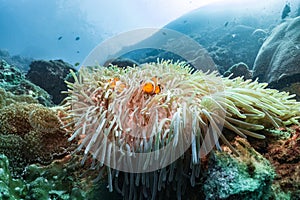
{"points": [[10, 189], [279, 194], [9, 75], [247, 177], [51, 182], [14, 81], [279, 134]]}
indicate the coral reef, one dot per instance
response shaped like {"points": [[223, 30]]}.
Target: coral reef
{"points": [[50, 75], [16, 60], [13, 80], [31, 133], [116, 113], [227, 50], [227, 41]]}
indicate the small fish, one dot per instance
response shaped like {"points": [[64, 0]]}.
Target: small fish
{"points": [[286, 10], [76, 64], [59, 38], [77, 51], [77, 38], [226, 24], [185, 21], [164, 33]]}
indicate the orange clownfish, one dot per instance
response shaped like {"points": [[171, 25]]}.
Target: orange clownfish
{"points": [[151, 86], [115, 83]]}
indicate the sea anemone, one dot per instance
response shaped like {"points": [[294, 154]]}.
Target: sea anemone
{"points": [[153, 123]]}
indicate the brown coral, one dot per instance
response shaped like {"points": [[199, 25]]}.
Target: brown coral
{"points": [[44, 120], [285, 157], [14, 118], [31, 133]]}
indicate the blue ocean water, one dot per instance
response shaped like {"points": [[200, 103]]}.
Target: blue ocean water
{"points": [[48, 29]]}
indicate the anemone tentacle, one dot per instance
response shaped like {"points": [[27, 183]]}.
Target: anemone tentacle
{"points": [[148, 108]]}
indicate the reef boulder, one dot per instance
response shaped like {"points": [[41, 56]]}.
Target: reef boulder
{"points": [[50, 75], [239, 69], [278, 60]]}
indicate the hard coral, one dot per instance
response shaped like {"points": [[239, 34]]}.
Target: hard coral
{"points": [[14, 118], [55, 181], [13, 80], [116, 118], [31, 133], [7, 98]]}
